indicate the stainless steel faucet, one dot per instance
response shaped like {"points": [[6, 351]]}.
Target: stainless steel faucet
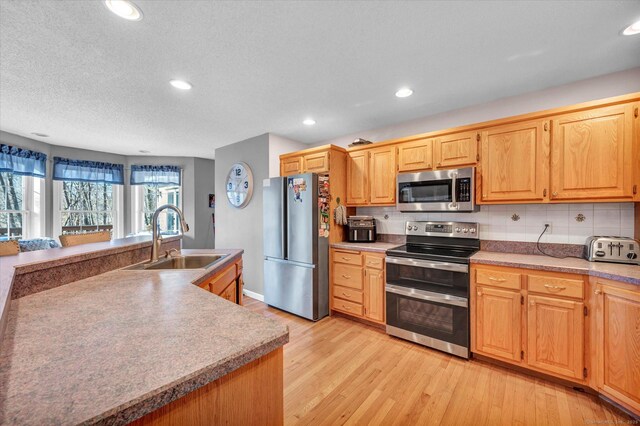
{"points": [[156, 239]]}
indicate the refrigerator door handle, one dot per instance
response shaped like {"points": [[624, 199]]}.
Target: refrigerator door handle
{"points": [[290, 262]]}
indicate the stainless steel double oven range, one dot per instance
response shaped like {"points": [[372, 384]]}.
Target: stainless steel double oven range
{"points": [[427, 286]]}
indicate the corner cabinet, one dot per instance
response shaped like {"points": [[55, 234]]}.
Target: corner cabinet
{"points": [[371, 176], [617, 342], [357, 284], [227, 284], [514, 163], [591, 154]]}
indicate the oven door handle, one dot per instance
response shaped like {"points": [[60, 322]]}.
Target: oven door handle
{"points": [[427, 295], [429, 264]]}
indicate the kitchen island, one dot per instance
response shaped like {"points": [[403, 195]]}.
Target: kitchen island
{"points": [[149, 346]]}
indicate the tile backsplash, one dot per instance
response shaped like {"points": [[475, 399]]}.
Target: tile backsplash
{"points": [[496, 221]]}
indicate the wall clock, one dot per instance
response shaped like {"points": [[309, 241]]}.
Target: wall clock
{"points": [[239, 185]]}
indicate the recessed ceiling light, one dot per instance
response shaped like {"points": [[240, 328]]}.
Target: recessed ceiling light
{"points": [[144, 151], [124, 9], [180, 84], [404, 92], [632, 29], [42, 135], [309, 122]]}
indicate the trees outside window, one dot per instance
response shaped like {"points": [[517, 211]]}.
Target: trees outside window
{"points": [[12, 206]]}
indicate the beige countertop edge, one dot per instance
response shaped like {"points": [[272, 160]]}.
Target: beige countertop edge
{"points": [[378, 246]]}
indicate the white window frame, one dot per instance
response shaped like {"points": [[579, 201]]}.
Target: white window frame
{"points": [[116, 213], [33, 218], [137, 206]]}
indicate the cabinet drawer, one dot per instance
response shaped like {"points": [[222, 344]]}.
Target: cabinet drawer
{"points": [[348, 294], [371, 261], [556, 286], [222, 281], [350, 258], [348, 276], [498, 278], [348, 307]]}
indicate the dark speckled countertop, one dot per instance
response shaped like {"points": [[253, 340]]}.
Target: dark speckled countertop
{"points": [[619, 272], [111, 348]]}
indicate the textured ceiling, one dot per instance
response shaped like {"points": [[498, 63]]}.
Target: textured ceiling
{"points": [[89, 79]]}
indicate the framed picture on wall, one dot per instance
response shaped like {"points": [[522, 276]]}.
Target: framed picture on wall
{"points": [[212, 201]]}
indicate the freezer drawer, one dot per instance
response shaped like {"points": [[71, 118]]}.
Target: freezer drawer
{"points": [[290, 286]]}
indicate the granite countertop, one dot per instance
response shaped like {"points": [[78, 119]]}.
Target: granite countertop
{"points": [[378, 246], [620, 272], [114, 347]]}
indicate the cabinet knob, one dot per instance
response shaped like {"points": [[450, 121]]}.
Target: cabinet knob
{"points": [[479, 293], [555, 193], [598, 291], [532, 303]]}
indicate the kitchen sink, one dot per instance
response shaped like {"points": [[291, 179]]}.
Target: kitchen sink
{"points": [[180, 262]]}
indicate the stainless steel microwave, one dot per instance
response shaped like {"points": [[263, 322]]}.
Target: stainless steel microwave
{"points": [[438, 191]]}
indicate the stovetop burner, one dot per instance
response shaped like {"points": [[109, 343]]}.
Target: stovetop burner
{"points": [[433, 252]]}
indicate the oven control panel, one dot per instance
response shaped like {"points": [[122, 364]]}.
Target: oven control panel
{"points": [[442, 229]]}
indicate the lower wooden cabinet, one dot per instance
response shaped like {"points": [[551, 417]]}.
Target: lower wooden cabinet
{"points": [[563, 325], [228, 283], [617, 342], [357, 284]]}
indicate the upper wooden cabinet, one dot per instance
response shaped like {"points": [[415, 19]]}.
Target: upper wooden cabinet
{"points": [[291, 166], [382, 175], [357, 178], [316, 163], [591, 154], [415, 155], [457, 149], [514, 162], [371, 176]]}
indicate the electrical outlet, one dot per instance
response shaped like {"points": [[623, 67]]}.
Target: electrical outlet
{"points": [[548, 225]]}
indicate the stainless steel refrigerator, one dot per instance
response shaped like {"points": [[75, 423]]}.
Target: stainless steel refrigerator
{"points": [[296, 256]]}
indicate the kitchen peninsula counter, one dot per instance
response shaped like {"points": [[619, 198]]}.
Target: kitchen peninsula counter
{"points": [[115, 347]]}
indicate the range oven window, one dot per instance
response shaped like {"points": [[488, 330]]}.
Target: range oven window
{"points": [[420, 314], [432, 191], [428, 279]]}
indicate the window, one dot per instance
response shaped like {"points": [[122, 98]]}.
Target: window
{"points": [[12, 206], [147, 198]]}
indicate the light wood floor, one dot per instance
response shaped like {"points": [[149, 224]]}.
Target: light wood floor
{"points": [[339, 371]]}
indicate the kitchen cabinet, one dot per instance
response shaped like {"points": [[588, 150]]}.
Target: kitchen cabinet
{"points": [[371, 175], [291, 166], [533, 319], [227, 283], [415, 155], [617, 341], [357, 178], [514, 163], [456, 149], [591, 154], [497, 323], [357, 284], [382, 175], [316, 163]]}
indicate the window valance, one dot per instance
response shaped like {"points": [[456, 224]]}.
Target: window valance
{"points": [[22, 161], [166, 175], [87, 171]]}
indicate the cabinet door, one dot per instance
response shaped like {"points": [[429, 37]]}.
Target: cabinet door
{"points": [[555, 330], [515, 162], [382, 175], [415, 155], [291, 166], [316, 163], [591, 154], [498, 323], [374, 294], [458, 149], [618, 344], [636, 151], [357, 174]]}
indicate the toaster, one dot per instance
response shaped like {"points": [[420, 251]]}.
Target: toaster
{"points": [[613, 249]]}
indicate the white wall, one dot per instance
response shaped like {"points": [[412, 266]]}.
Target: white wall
{"points": [[604, 86], [242, 228], [279, 145], [496, 223]]}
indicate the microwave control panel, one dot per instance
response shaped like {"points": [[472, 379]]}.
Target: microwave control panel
{"points": [[463, 190]]}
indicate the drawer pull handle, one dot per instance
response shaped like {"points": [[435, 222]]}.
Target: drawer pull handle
{"points": [[345, 294], [500, 280], [346, 307], [598, 291], [555, 287], [346, 258], [346, 276]]}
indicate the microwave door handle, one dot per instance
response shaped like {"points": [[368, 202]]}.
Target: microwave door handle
{"points": [[454, 201]]}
